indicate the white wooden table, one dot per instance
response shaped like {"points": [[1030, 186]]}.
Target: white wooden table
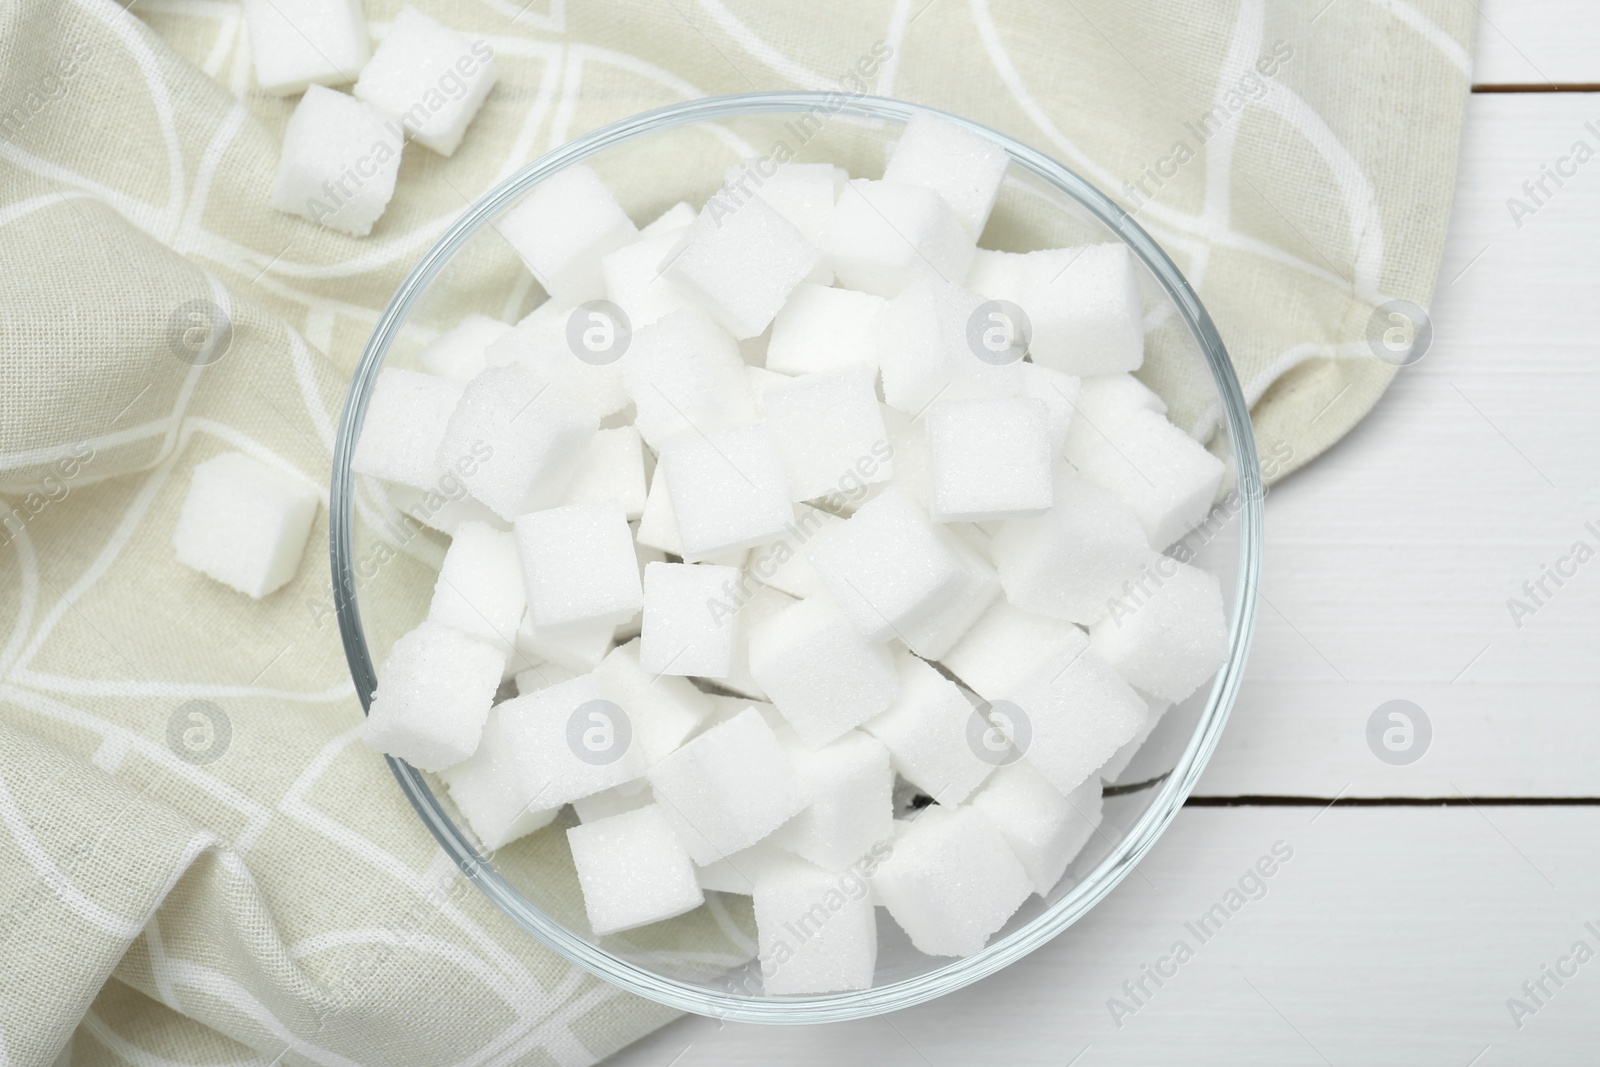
{"points": [[1417, 906]]}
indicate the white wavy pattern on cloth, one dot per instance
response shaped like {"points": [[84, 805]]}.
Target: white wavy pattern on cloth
{"points": [[214, 936]]}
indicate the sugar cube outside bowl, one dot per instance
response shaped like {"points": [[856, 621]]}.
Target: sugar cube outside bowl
{"points": [[382, 570]]}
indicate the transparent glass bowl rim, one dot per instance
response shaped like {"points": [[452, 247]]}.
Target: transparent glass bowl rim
{"points": [[957, 972]]}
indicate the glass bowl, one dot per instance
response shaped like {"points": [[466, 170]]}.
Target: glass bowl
{"points": [[681, 152]]}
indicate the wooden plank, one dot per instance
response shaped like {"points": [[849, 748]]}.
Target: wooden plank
{"points": [[1537, 43], [1392, 558], [1391, 935]]}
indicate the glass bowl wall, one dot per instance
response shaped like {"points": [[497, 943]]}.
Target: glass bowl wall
{"points": [[682, 152]]}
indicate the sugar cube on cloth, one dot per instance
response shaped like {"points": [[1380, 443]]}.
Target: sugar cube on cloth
{"points": [[244, 523], [430, 77], [339, 161]]}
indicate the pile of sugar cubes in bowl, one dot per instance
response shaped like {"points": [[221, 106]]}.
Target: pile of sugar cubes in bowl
{"points": [[788, 559]]}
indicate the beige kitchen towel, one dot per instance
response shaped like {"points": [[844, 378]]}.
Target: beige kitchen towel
{"points": [[199, 863]]}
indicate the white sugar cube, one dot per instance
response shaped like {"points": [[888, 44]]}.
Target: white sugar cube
{"points": [[913, 461], [991, 458], [803, 193], [821, 674], [1085, 309], [563, 228], [662, 709], [338, 164], [1004, 646], [1043, 828], [729, 489], [823, 329], [429, 76], [740, 872], [933, 633], [479, 590], [610, 469], [614, 801], [724, 708], [1059, 393], [685, 377], [458, 354], [886, 566], [783, 564], [296, 43], [627, 631], [849, 781], [658, 526], [514, 440], [928, 732], [244, 523], [444, 507], [816, 929], [1166, 476], [632, 870], [998, 275], [658, 529], [1077, 711], [886, 234], [739, 262], [829, 431], [624, 632], [579, 564], [1112, 769], [577, 646], [634, 281], [489, 792], [645, 553], [931, 345], [1104, 395], [728, 788], [1069, 562], [433, 696], [753, 350], [541, 342], [407, 413], [1168, 634], [977, 536], [676, 217], [951, 881], [689, 628], [760, 379], [569, 740], [963, 167], [757, 603], [542, 676]]}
